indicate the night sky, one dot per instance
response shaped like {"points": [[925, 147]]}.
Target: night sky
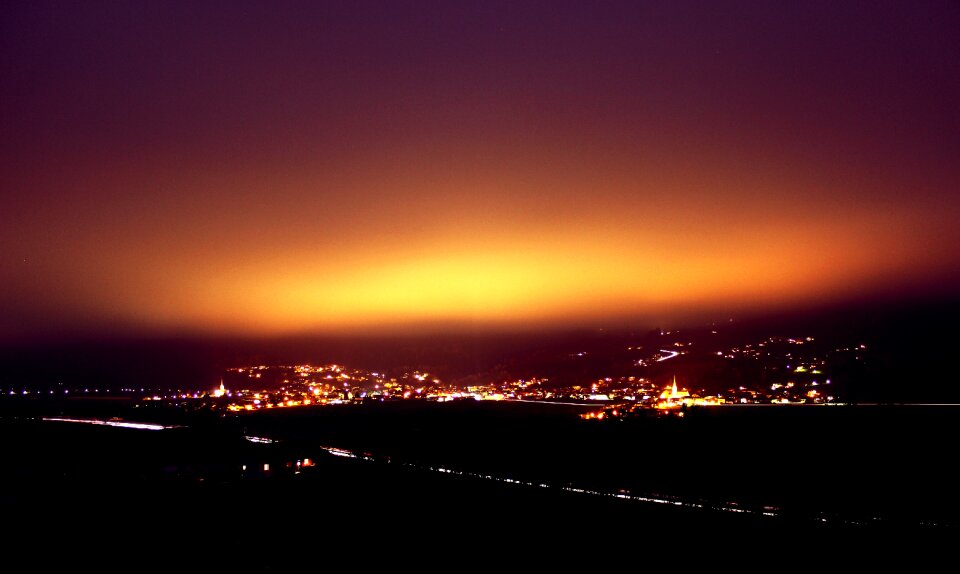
{"points": [[275, 167]]}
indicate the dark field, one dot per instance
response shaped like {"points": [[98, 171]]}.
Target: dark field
{"points": [[828, 472], [847, 463]]}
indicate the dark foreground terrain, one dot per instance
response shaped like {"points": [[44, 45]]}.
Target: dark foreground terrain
{"points": [[203, 495]]}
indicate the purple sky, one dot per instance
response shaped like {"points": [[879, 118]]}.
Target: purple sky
{"points": [[273, 167]]}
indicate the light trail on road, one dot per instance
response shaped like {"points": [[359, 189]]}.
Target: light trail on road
{"points": [[671, 353], [121, 424]]}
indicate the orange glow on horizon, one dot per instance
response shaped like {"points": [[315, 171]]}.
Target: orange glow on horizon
{"points": [[516, 271], [498, 253], [543, 280]]}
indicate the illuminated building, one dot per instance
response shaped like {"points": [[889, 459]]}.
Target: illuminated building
{"points": [[672, 397], [671, 394], [221, 391]]}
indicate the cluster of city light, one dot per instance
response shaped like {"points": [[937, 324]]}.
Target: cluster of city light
{"points": [[672, 398], [798, 368], [794, 361], [337, 385], [333, 384]]}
